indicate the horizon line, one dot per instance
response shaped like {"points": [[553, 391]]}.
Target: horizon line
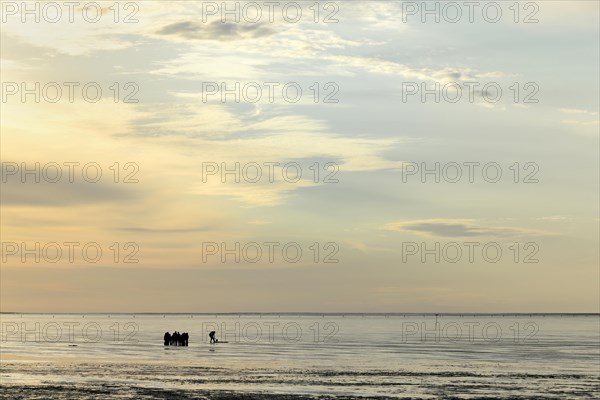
{"points": [[309, 313]]}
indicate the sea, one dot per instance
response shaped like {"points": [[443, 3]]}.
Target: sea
{"points": [[301, 356]]}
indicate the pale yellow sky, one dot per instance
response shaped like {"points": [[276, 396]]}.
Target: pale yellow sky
{"points": [[367, 231]]}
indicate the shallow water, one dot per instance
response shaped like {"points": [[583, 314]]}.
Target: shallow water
{"points": [[301, 356]]}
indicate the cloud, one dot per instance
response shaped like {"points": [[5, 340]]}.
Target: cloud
{"points": [[200, 132], [165, 230], [578, 111], [62, 193], [581, 113], [456, 228], [216, 30], [577, 122], [442, 75], [72, 39], [259, 222], [554, 218], [292, 51]]}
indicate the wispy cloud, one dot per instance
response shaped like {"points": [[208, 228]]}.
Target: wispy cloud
{"points": [[578, 122], [578, 111], [383, 66], [63, 194], [135, 229], [461, 228], [583, 117], [554, 218], [216, 30]]}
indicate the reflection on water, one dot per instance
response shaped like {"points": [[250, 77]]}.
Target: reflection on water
{"points": [[352, 356]]}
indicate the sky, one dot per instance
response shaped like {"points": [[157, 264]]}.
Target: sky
{"points": [[119, 183]]}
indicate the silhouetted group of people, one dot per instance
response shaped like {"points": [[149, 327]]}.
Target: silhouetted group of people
{"points": [[176, 339]]}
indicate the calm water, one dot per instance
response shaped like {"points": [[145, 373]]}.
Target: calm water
{"points": [[300, 356]]}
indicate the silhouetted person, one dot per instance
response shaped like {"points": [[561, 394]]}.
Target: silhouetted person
{"points": [[184, 338], [211, 335], [167, 338]]}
